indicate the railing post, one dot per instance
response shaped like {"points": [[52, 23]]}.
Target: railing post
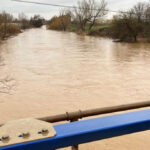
{"points": [[75, 147]]}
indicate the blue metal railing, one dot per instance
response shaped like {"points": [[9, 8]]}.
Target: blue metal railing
{"points": [[85, 131]]}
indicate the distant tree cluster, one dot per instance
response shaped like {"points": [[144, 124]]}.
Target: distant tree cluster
{"points": [[7, 25], [136, 22], [10, 26], [62, 22], [37, 21]]}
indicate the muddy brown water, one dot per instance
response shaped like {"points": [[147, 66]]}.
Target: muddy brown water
{"points": [[47, 72]]}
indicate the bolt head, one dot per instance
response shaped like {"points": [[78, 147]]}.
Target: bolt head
{"points": [[25, 135], [5, 138], [44, 131]]}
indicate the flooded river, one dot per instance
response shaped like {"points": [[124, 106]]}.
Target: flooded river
{"points": [[47, 72]]}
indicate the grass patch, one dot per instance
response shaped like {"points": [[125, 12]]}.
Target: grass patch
{"points": [[74, 28], [94, 28]]}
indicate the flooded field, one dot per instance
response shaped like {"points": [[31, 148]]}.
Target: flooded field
{"points": [[47, 72]]}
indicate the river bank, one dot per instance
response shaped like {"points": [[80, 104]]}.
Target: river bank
{"points": [[106, 31]]}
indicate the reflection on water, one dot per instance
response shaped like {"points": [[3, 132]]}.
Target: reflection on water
{"points": [[54, 72]]}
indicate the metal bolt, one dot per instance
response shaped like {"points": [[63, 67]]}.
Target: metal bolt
{"points": [[5, 138], [44, 131], [25, 135]]}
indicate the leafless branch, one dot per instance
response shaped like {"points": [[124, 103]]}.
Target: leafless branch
{"points": [[88, 12]]}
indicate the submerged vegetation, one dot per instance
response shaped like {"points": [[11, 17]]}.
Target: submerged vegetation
{"points": [[132, 25], [7, 26]]}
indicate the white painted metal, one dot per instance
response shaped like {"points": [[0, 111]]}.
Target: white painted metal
{"points": [[25, 130]]}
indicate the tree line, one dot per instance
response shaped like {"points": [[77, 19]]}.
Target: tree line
{"points": [[88, 16], [11, 26]]}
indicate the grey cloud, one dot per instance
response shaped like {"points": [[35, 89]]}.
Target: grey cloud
{"points": [[48, 11]]}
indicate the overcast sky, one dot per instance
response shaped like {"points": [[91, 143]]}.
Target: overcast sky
{"points": [[48, 11]]}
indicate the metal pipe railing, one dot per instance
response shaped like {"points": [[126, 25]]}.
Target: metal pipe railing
{"points": [[68, 116], [75, 116]]}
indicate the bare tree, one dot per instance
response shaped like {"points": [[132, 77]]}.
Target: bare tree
{"points": [[6, 19], [23, 21], [126, 27], [81, 14], [97, 11], [147, 22], [65, 19], [133, 24], [147, 12], [88, 11], [139, 11], [1, 21]]}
